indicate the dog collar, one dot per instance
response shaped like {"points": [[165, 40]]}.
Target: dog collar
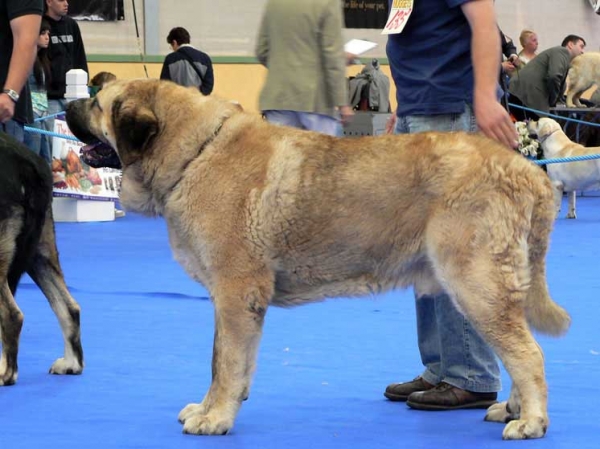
{"points": [[212, 136], [206, 143], [543, 139]]}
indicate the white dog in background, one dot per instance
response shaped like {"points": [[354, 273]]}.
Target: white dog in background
{"points": [[569, 176], [583, 74]]}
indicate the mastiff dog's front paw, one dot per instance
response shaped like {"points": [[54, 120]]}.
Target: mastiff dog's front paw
{"points": [[190, 410], [522, 429], [212, 423], [499, 413]]}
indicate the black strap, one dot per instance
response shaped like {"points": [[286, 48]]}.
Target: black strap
{"points": [[191, 61]]}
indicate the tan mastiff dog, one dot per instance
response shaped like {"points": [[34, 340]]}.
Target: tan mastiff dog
{"points": [[266, 215], [569, 176], [583, 74]]}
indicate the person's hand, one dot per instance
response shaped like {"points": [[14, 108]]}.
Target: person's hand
{"points": [[515, 61], [493, 120], [346, 114], [508, 67], [350, 58], [7, 108], [390, 124]]}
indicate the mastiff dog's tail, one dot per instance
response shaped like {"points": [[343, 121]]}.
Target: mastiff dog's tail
{"points": [[542, 313]]}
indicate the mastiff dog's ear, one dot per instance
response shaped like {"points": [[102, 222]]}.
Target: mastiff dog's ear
{"points": [[135, 127]]}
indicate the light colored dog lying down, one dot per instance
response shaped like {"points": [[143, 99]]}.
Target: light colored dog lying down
{"points": [[569, 176], [583, 74], [269, 215]]}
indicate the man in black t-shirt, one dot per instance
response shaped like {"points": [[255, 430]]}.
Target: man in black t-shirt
{"points": [[65, 52], [19, 30]]}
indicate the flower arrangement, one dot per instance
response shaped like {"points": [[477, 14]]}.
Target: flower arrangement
{"points": [[528, 146]]}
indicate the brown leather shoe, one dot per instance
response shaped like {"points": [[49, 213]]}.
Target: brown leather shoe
{"points": [[446, 397], [401, 392]]}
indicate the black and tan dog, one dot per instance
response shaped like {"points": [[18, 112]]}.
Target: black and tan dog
{"points": [[27, 245], [269, 215]]}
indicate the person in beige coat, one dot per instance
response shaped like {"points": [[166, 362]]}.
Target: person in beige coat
{"points": [[300, 43]]}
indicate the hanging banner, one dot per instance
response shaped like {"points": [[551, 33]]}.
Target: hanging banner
{"points": [[365, 13], [74, 179], [96, 10]]}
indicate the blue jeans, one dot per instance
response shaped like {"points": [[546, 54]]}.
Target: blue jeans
{"points": [[38, 143], [451, 349], [54, 107], [305, 120], [15, 129]]}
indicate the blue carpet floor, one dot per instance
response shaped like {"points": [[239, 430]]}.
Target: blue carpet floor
{"points": [[147, 332]]}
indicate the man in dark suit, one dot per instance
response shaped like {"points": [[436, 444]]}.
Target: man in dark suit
{"points": [[540, 83]]}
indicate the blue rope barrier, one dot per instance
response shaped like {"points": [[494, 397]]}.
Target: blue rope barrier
{"points": [[537, 162], [560, 117], [48, 117], [50, 133], [559, 160]]}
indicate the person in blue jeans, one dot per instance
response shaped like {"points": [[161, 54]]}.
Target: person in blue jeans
{"points": [[445, 66], [19, 25], [38, 80]]}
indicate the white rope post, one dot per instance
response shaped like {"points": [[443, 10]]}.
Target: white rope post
{"points": [[75, 209], [77, 85]]}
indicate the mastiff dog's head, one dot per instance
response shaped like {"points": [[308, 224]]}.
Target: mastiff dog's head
{"points": [[153, 130], [117, 124], [131, 120]]}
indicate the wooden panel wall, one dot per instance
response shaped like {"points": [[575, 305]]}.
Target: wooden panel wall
{"points": [[240, 82]]}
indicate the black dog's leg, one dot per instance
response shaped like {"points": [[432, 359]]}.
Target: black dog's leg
{"points": [[11, 321], [11, 317], [47, 274]]}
